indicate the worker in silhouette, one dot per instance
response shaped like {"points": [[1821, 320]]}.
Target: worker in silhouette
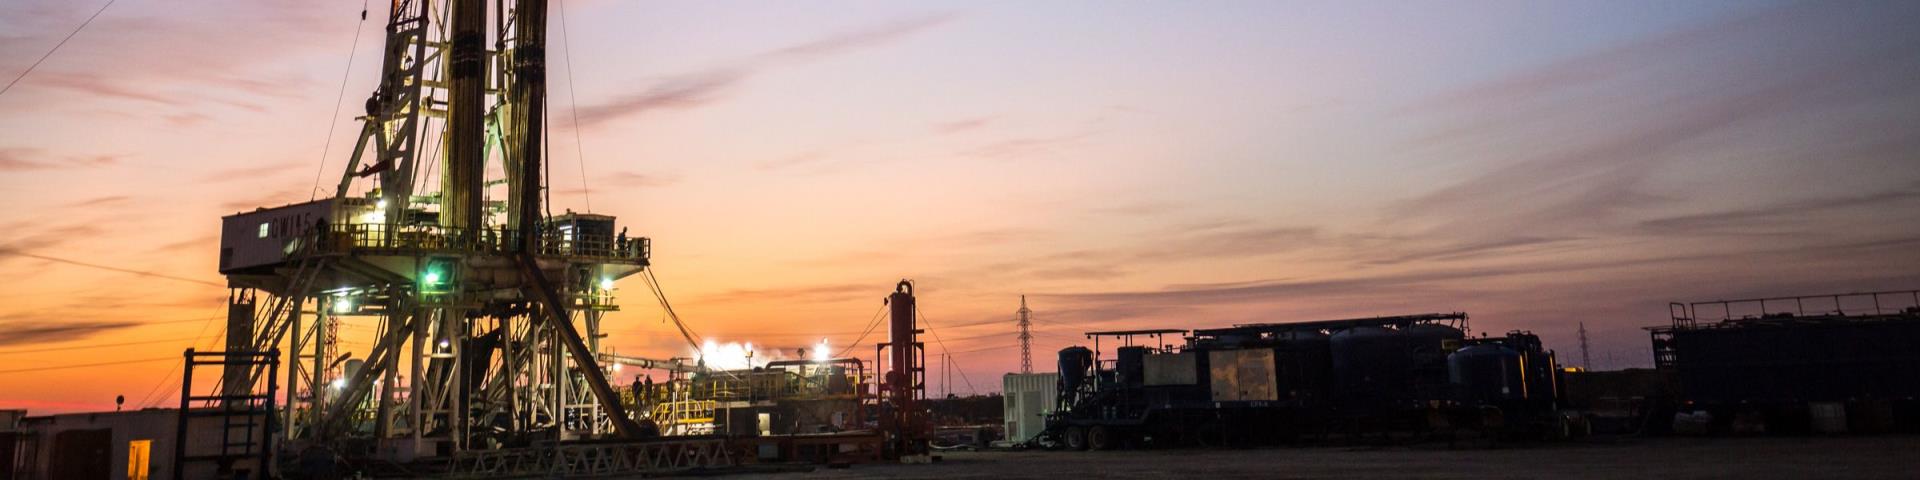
{"points": [[374, 104]]}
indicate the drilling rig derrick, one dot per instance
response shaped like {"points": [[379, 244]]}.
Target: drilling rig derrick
{"points": [[479, 314]]}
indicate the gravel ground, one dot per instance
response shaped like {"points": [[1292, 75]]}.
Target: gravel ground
{"points": [[1840, 457]]}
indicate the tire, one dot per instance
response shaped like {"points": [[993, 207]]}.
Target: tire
{"points": [[1076, 438], [1101, 438], [1209, 435], [1559, 428]]}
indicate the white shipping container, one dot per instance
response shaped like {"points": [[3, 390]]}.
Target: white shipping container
{"points": [[263, 237], [1029, 398]]}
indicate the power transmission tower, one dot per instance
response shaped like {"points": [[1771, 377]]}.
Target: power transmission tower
{"points": [[1586, 361], [1025, 317]]}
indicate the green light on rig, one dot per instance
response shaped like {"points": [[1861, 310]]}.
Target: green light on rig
{"points": [[436, 276], [606, 283]]}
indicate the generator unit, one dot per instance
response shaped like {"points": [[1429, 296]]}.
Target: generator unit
{"points": [[1290, 381], [1803, 364]]}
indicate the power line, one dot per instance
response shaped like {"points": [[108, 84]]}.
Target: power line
{"points": [[943, 345], [653, 284], [333, 121], [149, 399], [871, 324], [573, 103], [104, 267], [56, 47], [95, 345], [164, 322], [86, 365], [983, 349]]}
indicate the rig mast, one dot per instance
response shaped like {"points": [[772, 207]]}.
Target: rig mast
{"points": [[477, 312]]}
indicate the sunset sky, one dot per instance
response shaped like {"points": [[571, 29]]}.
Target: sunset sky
{"points": [[1123, 164]]}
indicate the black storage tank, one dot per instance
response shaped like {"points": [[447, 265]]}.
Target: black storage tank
{"points": [[1304, 363], [1427, 346], [1074, 364], [1370, 365], [1131, 364], [1488, 373]]}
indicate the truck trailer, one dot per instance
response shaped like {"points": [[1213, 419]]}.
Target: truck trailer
{"points": [[1261, 383]]}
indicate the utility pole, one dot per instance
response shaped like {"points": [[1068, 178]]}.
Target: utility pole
{"points": [[1586, 360], [1025, 317]]}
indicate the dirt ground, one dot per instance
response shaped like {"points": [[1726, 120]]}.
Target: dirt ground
{"points": [[1837, 457]]}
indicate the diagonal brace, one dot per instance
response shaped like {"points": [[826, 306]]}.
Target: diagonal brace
{"points": [[583, 358]]}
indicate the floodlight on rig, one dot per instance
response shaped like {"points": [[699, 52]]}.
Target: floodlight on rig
{"points": [[437, 275]]}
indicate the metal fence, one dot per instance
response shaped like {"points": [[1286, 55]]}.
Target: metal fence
{"points": [[570, 460], [393, 238]]}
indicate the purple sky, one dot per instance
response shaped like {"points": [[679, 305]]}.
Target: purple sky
{"points": [[1125, 164]]}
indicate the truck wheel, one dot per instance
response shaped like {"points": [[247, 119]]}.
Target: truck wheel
{"points": [[1101, 438], [1559, 428], [1076, 438]]}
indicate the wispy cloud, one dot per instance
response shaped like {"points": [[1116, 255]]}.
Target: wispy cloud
{"points": [[676, 93], [637, 180], [104, 201], [33, 333], [1026, 146], [869, 37], [1478, 248], [986, 237], [33, 159], [27, 237], [204, 242], [249, 173], [696, 89], [1625, 121], [808, 293], [1138, 209], [270, 199], [799, 159], [1745, 220], [97, 85], [1239, 242], [963, 125]]}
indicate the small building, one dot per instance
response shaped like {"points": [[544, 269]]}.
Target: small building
{"points": [[132, 445], [1030, 397], [10, 443]]}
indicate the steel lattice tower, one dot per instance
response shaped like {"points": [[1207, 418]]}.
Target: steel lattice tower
{"points": [[1025, 317], [1586, 361]]}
